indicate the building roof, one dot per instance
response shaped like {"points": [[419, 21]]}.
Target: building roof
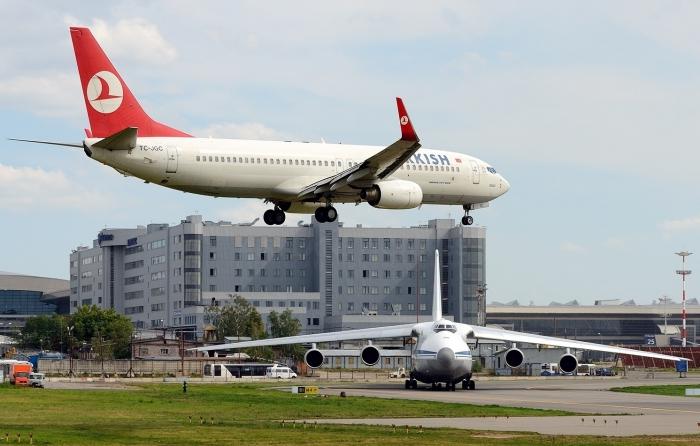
{"points": [[562, 310], [14, 281]]}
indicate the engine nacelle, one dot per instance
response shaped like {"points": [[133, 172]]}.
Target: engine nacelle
{"points": [[300, 208], [514, 358], [370, 355], [313, 358], [568, 363], [394, 194]]}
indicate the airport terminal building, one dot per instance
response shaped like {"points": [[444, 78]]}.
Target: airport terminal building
{"points": [[605, 322], [330, 276], [23, 296]]}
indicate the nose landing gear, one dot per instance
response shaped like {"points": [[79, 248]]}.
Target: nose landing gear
{"points": [[467, 220]]}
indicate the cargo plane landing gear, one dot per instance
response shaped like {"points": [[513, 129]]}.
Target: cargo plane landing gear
{"points": [[274, 216], [467, 220], [326, 214]]}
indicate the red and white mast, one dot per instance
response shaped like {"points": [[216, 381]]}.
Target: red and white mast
{"points": [[683, 272]]}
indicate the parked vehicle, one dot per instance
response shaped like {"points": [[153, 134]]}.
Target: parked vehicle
{"points": [[280, 372], [36, 380], [19, 373], [586, 369], [606, 371], [549, 373], [400, 373]]}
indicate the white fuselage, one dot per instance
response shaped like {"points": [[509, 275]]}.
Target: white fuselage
{"points": [[280, 170], [440, 355]]}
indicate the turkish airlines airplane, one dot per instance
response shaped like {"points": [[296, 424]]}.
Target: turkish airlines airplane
{"points": [[441, 353], [292, 177]]}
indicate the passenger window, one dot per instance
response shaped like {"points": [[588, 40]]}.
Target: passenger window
{"points": [[284, 161], [198, 158], [325, 163], [234, 159], [216, 158], [277, 161], [308, 163], [258, 160], [223, 159], [246, 160], [264, 160], [313, 163], [332, 163], [228, 159], [296, 162]]}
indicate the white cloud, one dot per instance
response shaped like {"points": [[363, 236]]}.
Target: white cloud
{"points": [[50, 94], [133, 38], [247, 130], [572, 248], [33, 189], [682, 224]]}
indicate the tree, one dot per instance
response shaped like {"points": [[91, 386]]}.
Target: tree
{"points": [[282, 325], [45, 332], [103, 327], [240, 319]]}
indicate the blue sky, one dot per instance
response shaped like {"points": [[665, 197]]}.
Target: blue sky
{"points": [[590, 110]]}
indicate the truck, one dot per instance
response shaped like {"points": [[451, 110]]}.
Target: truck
{"points": [[19, 373]]}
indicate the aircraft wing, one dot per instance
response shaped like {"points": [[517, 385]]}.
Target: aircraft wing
{"points": [[374, 168], [392, 331], [499, 334]]}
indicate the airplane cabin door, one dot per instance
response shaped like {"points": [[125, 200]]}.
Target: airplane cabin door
{"points": [[172, 159], [476, 176]]}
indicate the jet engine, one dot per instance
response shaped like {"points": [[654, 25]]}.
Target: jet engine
{"points": [[514, 358], [394, 194], [370, 355], [313, 358], [568, 363]]}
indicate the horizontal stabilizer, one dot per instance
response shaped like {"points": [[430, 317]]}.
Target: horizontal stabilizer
{"points": [[124, 140], [52, 143]]}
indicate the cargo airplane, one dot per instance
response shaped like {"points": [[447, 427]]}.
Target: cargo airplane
{"points": [[441, 353], [292, 177]]}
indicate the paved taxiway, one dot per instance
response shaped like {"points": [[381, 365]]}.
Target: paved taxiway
{"points": [[624, 413]]}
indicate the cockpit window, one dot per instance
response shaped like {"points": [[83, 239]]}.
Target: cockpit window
{"points": [[491, 169], [442, 326]]}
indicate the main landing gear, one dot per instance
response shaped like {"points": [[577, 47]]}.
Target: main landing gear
{"points": [[467, 220], [468, 384], [274, 216], [326, 214], [411, 384]]}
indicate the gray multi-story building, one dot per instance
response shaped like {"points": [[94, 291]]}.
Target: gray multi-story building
{"points": [[169, 276]]}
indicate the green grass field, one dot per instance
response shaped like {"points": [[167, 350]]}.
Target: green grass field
{"points": [[669, 390], [243, 414]]}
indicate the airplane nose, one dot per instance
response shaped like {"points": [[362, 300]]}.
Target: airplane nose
{"points": [[446, 356], [505, 185]]}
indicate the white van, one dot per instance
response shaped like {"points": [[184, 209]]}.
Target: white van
{"points": [[36, 380], [280, 372]]}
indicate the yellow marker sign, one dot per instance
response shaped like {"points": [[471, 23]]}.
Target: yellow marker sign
{"points": [[313, 390]]}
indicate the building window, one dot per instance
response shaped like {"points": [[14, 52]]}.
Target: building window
{"points": [[212, 272], [212, 241]]}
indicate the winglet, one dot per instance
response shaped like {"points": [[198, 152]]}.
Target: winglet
{"points": [[407, 131], [437, 294]]}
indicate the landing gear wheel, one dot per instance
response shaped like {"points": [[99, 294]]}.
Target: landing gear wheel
{"points": [[320, 214], [407, 384], [467, 220], [278, 216], [453, 387], [268, 217], [414, 384], [471, 385], [465, 385], [331, 214]]}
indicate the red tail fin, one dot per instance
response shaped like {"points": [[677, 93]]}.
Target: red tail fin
{"points": [[111, 106]]}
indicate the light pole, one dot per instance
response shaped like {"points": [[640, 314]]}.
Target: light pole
{"points": [[70, 351], [683, 272], [600, 341]]}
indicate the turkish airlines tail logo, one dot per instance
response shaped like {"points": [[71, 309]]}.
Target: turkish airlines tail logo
{"points": [[104, 92]]}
